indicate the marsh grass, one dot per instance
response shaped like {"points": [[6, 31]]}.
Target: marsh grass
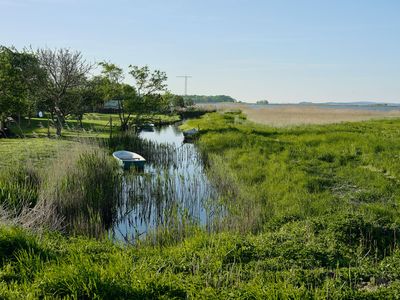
{"points": [[312, 213], [274, 175], [170, 199], [76, 191], [83, 185], [19, 187], [294, 115]]}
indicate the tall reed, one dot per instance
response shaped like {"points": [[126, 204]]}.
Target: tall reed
{"points": [[83, 186], [19, 187]]}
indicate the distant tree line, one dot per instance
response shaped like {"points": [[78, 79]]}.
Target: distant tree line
{"points": [[262, 102], [189, 99], [58, 81]]}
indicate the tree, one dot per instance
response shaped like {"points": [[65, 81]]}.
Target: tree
{"points": [[142, 98], [66, 71], [148, 85], [147, 82], [20, 81], [174, 101], [113, 89], [84, 99]]}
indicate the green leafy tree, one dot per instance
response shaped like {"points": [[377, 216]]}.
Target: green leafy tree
{"points": [[84, 99], [143, 98], [113, 88], [20, 81], [149, 85], [173, 101]]}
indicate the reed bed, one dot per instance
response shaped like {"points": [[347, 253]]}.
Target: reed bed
{"points": [[155, 153], [171, 198], [77, 192], [294, 115], [83, 185]]}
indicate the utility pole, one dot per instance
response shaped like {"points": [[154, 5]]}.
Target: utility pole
{"points": [[186, 78]]}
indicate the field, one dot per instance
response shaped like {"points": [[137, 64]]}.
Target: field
{"points": [[312, 213], [292, 115]]}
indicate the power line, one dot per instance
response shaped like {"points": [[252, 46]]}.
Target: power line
{"points": [[186, 78]]}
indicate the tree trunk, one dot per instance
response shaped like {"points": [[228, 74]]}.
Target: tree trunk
{"points": [[3, 126], [59, 124], [2, 123]]}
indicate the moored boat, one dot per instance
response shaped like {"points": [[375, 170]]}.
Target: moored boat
{"points": [[127, 159], [190, 134], [147, 127]]}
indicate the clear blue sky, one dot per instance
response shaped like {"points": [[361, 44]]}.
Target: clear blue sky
{"points": [[281, 50]]}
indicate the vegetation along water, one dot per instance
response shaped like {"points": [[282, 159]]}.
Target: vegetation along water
{"points": [[245, 211], [311, 212]]}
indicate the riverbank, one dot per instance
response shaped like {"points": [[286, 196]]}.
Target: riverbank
{"points": [[93, 125], [311, 213]]}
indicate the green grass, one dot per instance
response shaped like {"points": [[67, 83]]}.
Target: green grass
{"points": [[305, 171], [94, 125], [313, 213], [37, 151], [280, 265]]}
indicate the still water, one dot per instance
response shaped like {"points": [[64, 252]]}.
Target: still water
{"points": [[166, 195]]}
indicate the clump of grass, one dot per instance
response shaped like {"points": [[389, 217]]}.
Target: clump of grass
{"points": [[19, 187], [83, 185]]}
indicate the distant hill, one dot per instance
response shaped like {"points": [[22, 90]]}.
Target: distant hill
{"points": [[208, 99]]}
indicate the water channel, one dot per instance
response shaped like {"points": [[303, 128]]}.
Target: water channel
{"points": [[166, 195]]}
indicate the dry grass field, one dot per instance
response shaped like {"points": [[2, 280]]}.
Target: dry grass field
{"points": [[290, 115]]}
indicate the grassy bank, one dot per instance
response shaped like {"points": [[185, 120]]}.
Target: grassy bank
{"points": [[303, 172], [312, 213], [93, 125]]}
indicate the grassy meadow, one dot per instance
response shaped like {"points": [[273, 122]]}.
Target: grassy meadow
{"points": [[311, 213], [93, 125]]}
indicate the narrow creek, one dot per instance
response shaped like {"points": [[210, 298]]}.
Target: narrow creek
{"points": [[166, 196]]}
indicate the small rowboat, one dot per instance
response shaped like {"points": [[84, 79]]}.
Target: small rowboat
{"points": [[191, 134], [147, 127], [127, 159]]}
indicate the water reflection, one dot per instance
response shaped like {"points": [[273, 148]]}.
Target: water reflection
{"points": [[166, 195]]}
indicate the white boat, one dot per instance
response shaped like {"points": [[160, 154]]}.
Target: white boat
{"points": [[147, 127], [127, 159]]}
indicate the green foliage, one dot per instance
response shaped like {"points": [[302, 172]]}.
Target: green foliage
{"points": [[207, 99], [262, 102], [19, 187], [134, 101], [20, 81]]}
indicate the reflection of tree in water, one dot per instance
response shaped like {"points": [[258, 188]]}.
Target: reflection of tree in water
{"points": [[176, 129]]}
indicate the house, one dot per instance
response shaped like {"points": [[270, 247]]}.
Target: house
{"points": [[110, 106]]}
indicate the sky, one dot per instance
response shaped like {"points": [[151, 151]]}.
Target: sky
{"points": [[279, 50]]}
